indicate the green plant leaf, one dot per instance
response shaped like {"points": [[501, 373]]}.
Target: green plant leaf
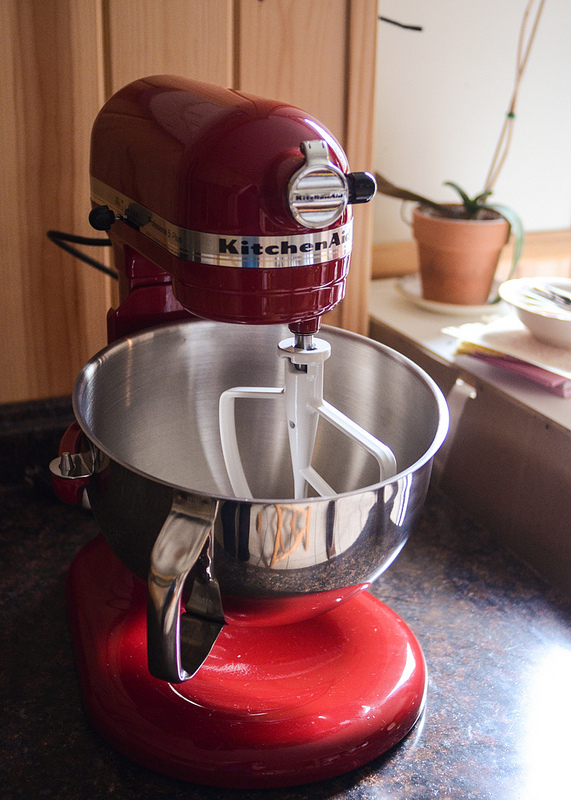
{"points": [[516, 226], [480, 199], [471, 204], [465, 199], [471, 207]]}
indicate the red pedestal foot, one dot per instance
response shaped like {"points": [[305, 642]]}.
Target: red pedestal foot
{"points": [[271, 706]]}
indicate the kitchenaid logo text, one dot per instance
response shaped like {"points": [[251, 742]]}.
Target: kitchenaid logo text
{"points": [[308, 197], [284, 247]]}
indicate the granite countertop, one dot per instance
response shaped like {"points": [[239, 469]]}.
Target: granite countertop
{"points": [[496, 639]]}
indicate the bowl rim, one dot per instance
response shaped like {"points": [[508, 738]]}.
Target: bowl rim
{"points": [[81, 391], [510, 292]]}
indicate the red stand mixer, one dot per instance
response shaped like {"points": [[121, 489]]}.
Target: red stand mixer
{"points": [[247, 497]]}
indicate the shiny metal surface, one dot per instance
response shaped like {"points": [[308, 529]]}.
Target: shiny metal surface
{"points": [[178, 644], [149, 404], [318, 192], [72, 466]]}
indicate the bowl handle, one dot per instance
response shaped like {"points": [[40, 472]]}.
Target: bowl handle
{"points": [[177, 645], [71, 470]]}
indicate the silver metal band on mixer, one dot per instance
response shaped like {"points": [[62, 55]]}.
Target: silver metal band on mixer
{"points": [[228, 250]]}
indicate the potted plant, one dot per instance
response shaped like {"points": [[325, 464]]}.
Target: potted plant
{"points": [[459, 244]]}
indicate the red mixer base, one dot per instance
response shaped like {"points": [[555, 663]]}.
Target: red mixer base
{"points": [[270, 707]]}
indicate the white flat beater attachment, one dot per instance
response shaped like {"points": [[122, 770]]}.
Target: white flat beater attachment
{"points": [[302, 395]]}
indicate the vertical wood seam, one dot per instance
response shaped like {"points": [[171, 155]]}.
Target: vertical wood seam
{"points": [[347, 72], [235, 44], [354, 309], [106, 61]]}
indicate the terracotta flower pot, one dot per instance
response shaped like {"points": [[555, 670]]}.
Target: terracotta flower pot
{"points": [[458, 257]]}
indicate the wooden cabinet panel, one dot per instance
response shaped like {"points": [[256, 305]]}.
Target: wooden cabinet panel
{"points": [[61, 59], [51, 306], [177, 37], [296, 52], [15, 362]]}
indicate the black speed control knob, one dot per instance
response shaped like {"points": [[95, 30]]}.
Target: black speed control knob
{"points": [[362, 187], [101, 218]]}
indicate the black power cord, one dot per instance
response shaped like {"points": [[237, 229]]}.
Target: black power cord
{"points": [[66, 240]]}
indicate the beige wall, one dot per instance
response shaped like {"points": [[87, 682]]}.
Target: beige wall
{"points": [[61, 59], [442, 96]]}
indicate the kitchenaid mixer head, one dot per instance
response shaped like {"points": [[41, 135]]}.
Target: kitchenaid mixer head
{"points": [[244, 203]]}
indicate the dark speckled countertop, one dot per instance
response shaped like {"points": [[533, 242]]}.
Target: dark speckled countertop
{"points": [[496, 639]]}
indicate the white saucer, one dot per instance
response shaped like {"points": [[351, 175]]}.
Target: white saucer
{"points": [[410, 287]]}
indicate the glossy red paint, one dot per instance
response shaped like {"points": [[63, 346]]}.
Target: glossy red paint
{"points": [[204, 157], [273, 706], [150, 296], [277, 611], [216, 161]]}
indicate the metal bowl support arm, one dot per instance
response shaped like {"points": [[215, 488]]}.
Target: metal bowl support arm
{"points": [[177, 645]]}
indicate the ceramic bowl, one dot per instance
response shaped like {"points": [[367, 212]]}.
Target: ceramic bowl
{"points": [[548, 322]]}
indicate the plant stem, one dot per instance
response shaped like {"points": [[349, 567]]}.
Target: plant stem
{"points": [[523, 52]]}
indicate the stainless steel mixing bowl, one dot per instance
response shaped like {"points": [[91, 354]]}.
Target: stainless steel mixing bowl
{"points": [[148, 406]]}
